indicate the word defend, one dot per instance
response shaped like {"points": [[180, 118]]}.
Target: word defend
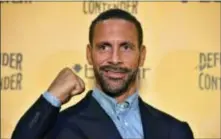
{"points": [[11, 61], [208, 61]]}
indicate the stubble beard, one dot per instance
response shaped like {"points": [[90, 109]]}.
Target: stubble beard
{"points": [[123, 84]]}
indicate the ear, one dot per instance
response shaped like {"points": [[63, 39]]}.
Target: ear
{"points": [[142, 55], [89, 54]]}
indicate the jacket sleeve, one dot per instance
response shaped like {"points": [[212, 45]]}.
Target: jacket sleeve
{"points": [[37, 121], [181, 131]]}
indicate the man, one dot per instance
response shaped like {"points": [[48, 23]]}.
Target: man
{"points": [[113, 109]]}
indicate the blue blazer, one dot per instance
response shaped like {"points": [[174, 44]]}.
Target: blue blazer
{"points": [[87, 120]]}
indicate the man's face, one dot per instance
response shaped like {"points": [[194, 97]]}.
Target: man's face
{"points": [[115, 55]]}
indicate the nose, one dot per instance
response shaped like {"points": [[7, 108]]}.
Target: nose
{"points": [[115, 56]]}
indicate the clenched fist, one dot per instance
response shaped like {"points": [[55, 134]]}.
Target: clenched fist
{"points": [[66, 85]]}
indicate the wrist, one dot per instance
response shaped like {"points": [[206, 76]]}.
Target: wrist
{"points": [[52, 99]]}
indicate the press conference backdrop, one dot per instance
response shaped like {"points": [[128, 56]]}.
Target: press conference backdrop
{"points": [[181, 75]]}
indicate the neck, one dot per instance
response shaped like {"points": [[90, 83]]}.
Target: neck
{"points": [[130, 91]]}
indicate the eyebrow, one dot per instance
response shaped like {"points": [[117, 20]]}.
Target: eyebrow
{"points": [[103, 43], [121, 44], [127, 43]]}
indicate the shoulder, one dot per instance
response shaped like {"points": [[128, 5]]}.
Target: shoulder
{"points": [[159, 114], [175, 127]]}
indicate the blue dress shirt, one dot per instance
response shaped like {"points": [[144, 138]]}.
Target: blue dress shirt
{"points": [[126, 115]]}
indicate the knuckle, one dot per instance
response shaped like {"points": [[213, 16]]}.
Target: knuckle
{"points": [[66, 69]]}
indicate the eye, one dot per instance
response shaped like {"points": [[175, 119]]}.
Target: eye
{"points": [[126, 47], [104, 47]]}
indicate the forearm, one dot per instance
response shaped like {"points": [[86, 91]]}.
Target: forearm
{"points": [[35, 123]]}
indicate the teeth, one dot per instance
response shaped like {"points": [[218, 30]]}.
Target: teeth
{"points": [[116, 71], [113, 71]]}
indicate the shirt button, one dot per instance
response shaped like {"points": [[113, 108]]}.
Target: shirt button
{"points": [[124, 105], [126, 123]]}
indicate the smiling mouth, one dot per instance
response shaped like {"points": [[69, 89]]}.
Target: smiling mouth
{"points": [[114, 74]]}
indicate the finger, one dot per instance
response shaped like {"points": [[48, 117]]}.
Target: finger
{"points": [[81, 83], [77, 89]]}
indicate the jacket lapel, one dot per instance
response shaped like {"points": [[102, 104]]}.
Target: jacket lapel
{"points": [[152, 124], [99, 123]]}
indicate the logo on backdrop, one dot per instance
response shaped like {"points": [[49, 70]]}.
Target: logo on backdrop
{"points": [[208, 61], [17, 1], [89, 74], [96, 7], [11, 62]]}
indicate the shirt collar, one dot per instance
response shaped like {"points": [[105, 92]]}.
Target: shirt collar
{"points": [[111, 106]]}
